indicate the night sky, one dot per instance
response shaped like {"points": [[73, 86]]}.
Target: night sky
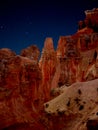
{"points": [[27, 22]]}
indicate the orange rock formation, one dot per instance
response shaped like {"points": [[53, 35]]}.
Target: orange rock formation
{"points": [[26, 82]]}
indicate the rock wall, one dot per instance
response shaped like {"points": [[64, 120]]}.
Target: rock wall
{"points": [[47, 65], [20, 84], [74, 55], [27, 82]]}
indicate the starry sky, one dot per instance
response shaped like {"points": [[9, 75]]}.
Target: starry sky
{"points": [[27, 22]]}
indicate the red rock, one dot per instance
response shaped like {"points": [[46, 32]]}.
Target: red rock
{"points": [[19, 90], [47, 65], [75, 53], [31, 52], [26, 83], [6, 53], [92, 18]]}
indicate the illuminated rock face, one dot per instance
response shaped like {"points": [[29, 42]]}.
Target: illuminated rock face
{"points": [[75, 54], [47, 65], [91, 20], [6, 53], [20, 82], [26, 82], [32, 52]]}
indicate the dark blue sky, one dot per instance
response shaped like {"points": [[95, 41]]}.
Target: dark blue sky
{"points": [[26, 22]]}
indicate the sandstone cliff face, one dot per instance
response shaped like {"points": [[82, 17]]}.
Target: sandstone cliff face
{"points": [[6, 53], [32, 52], [75, 54], [90, 21], [47, 65], [20, 80], [27, 84]]}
